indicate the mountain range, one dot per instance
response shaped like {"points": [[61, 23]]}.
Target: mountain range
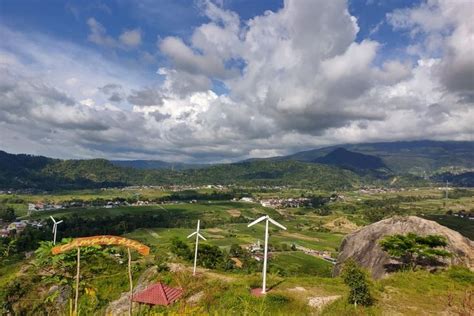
{"points": [[343, 166]]}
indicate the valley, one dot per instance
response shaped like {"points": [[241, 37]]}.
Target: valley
{"points": [[300, 267]]}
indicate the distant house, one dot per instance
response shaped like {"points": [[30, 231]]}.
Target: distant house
{"points": [[247, 199]]}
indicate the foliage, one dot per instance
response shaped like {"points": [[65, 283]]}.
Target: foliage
{"points": [[413, 250], [358, 282], [181, 249], [60, 269], [7, 213], [23, 171]]}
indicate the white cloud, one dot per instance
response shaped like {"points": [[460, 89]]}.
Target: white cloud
{"points": [[293, 79], [99, 35], [131, 38]]}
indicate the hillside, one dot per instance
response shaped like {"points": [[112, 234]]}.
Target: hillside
{"points": [[351, 160], [416, 157], [155, 164], [25, 171], [375, 163]]}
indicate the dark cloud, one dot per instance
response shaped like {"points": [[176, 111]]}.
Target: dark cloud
{"points": [[146, 97]]}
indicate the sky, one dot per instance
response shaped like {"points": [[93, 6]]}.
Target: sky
{"points": [[224, 80]]}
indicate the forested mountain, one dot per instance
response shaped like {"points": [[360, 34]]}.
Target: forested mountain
{"points": [[351, 160], [25, 171], [415, 157], [330, 168], [156, 164]]}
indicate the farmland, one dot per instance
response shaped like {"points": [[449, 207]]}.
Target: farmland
{"points": [[295, 275]]}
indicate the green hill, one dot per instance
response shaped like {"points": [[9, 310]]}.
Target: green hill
{"points": [[25, 171], [327, 168]]}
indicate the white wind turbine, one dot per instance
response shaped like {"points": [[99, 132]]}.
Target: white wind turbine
{"points": [[55, 228], [198, 235], [267, 219]]}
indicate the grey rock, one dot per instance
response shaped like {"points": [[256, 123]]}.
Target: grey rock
{"points": [[363, 245]]}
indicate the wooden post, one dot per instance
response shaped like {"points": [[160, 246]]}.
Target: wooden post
{"points": [[131, 281], [77, 280]]}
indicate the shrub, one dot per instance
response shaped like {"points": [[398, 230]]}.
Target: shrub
{"points": [[359, 284]]}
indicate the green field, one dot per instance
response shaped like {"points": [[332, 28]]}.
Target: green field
{"points": [[294, 277]]}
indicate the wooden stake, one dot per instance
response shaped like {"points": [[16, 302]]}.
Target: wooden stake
{"points": [[77, 280], [131, 281]]}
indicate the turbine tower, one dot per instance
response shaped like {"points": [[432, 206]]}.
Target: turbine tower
{"points": [[55, 228], [198, 235], [267, 219]]}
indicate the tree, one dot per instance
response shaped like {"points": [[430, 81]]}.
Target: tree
{"points": [[358, 282], [7, 214], [236, 251], [181, 249], [413, 250]]}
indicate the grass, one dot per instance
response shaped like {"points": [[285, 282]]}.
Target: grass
{"points": [[298, 263]]}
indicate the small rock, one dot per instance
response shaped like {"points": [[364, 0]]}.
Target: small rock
{"points": [[298, 289], [321, 301], [195, 298]]}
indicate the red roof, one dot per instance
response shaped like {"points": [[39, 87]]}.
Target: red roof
{"points": [[158, 294]]}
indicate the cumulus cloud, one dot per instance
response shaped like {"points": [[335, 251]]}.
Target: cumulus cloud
{"points": [[290, 79], [444, 26]]}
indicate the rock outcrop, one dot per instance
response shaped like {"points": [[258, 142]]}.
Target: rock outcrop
{"points": [[363, 245]]}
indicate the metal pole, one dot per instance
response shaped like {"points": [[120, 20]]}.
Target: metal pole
{"points": [[195, 250], [55, 229], [77, 279], [131, 281], [264, 286]]}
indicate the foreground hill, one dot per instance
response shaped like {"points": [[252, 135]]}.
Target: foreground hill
{"points": [[26, 171]]}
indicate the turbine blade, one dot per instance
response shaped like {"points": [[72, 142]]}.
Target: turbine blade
{"points": [[192, 234], [59, 222], [201, 236], [258, 220], [276, 223], [52, 219]]}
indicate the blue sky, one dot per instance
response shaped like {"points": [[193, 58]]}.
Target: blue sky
{"points": [[223, 80], [66, 20]]}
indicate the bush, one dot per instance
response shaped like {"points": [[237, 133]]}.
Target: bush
{"points": [[359, 284], [7, 213], [181, 249]]}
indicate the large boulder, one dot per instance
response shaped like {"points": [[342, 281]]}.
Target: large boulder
{"points": [[363, 245]]}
